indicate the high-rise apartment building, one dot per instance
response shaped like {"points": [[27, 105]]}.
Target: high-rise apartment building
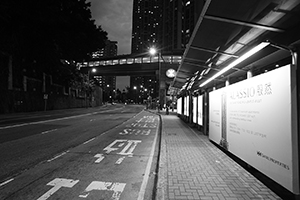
{"points": [[145, 24], [166, 24], [110, 50], [107, 83]]}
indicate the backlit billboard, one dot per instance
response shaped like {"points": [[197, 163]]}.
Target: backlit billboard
{"points": [[253, 119]]}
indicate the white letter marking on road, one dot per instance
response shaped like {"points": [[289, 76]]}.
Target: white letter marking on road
{"points": [[117, 188], [132, 147], [109, 148], [100, 157]]}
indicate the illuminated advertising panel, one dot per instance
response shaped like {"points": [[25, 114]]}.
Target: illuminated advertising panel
{"points": [[188, 105], [200, 110], [215, 115], [194, 109], [179, 106], [253, 120], [184, 106]]}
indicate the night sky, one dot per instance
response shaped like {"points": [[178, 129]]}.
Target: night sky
{"points": [[115, 17]]}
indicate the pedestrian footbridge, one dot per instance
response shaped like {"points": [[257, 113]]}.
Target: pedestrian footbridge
{"points": [[132, 65]]}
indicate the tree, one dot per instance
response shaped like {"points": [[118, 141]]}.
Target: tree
{"points": [[45, 32]]}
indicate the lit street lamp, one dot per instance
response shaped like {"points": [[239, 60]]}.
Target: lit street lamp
{"points": [[135, 88], [93, 70], [153, 51]]}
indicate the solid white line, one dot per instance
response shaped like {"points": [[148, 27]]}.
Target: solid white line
{"points": [[5, 182], [89, 141], [148, 168]]}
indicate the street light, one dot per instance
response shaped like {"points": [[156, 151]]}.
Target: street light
{"points": [[135, 88], [153, 51], [93, 70]]}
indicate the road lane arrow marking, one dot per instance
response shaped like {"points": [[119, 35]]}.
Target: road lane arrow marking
{"points": [[58, 183]]}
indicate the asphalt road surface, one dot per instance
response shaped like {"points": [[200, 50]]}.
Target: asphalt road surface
{"points": [[97, 153]]}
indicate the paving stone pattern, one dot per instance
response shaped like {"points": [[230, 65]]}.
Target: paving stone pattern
{"points": [[191, 167]]}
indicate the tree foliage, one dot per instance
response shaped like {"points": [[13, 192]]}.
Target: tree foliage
{"points": [[49, 30]]}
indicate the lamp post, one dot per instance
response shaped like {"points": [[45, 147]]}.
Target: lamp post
{"points": [[108, 92], [153, 51], [135, 88], [93, 70]]}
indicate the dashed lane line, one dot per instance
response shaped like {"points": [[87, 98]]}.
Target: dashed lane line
{"points": [[6, 182], [57, 119], [89, 141], [44, 132], [54, 158]]}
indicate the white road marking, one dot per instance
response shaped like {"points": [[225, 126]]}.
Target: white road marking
{"points": [[117, 189], [109, 148], [127, 150], [100, 158], [6, 182], [141, 119], [89, 141], [50, 160], [57, 119], [126, 131], [129, 131], [120, 160], [58, 183], [121, 144], [44, 132], [148, 168], [145, 122], [146, 132], [129, 145]]}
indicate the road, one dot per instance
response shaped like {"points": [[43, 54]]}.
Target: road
{"points": [[97, 153]]}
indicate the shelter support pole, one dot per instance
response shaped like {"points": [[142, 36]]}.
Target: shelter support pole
{"points": [[296, 64], [205, 113]]}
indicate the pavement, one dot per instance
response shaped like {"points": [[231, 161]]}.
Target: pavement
{"points": [[191, 167]]}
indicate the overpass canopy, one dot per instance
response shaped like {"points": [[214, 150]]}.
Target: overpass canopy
{"points": [[226, 29]]}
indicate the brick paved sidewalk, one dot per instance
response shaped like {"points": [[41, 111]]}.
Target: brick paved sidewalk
{"points": [[191, 167]]}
